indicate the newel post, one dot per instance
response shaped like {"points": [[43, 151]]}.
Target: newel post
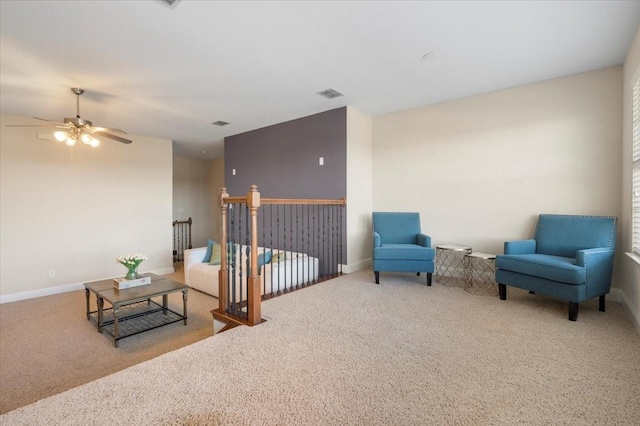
{"points": [[253, 296], [223, 300]]}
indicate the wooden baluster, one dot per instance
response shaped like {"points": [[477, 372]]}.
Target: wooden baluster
{"points": [[222, 273], [253, 296], [340, 209], [189, 244]]}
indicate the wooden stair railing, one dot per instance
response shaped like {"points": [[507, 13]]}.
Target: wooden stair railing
{"points": [[250, 312], [181, 238]]}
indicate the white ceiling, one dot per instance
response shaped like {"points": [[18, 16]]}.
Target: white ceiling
{"points": [[169, 72]]}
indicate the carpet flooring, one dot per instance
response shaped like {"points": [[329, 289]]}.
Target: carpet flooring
{"points": [[47, 345], [348, 351]]}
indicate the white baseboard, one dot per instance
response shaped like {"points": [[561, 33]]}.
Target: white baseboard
{"points": [[615, 295], [356, 266], [163, 271], [622, 298], [15, 297]]}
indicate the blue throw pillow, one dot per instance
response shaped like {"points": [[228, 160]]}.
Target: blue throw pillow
{"points": [[207, 255], [263, 259]]}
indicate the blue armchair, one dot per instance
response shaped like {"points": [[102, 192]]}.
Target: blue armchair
{"points": [[569, 258], [399, 246]]}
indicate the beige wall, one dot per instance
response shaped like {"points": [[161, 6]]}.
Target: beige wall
{"points": [[480, 169], [630, 271], [359, 189], [193, 197], [74, 210]]}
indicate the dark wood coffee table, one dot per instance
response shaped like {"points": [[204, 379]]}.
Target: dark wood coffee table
{"points": [[133, 310]]}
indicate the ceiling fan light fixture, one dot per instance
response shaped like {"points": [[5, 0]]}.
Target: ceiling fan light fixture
{"points": [[89, 140], [79, 128], [60, 136]]}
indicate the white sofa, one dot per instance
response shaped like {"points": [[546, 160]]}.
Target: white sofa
{"points": [[297, 268]]}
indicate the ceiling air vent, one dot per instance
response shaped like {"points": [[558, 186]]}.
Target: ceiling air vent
{"points": [[219, 123], [330, 93], [170, 2]]}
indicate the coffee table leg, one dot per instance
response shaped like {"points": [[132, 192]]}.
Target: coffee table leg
{"points": [[184, 306], [86, 292], [165, 303], [116, 326], [100, 313]]}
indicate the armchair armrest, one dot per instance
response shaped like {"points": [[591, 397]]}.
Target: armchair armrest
{"points": [[589, 257], [598, 263], [424, 240], [520, 247], [376, 239]]}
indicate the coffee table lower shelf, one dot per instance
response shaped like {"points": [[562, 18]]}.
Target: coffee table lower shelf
{"points": [[135, 318]]}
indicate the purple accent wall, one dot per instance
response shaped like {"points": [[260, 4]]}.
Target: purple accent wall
{"points": [[283, 159]]}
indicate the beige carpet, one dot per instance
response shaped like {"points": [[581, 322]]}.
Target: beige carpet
{"points": [[47, 346], [350, 352]]}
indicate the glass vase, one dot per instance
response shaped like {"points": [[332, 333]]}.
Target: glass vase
{"points": [[132, 272]]}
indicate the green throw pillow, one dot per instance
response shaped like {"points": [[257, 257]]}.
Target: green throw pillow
{"points": [[207, 255], [215, 254], [278, 257]]}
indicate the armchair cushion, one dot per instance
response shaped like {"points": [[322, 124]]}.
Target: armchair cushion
{"points": [[555, 268], [403, 252]]}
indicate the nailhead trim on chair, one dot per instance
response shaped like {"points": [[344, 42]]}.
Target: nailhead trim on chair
{"points": [[613, 230]]}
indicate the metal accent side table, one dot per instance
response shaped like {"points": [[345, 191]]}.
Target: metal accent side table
{"points": [[480, 274], [450, 264]]}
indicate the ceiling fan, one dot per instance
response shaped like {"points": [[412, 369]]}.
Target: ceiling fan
{"points": [[74, 128]]}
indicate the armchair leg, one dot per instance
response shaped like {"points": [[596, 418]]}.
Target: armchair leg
{"points": [[602, 303], [532, 292], [429, 275], [377, 274], [573, 311], [418, 273], [502, 289]]}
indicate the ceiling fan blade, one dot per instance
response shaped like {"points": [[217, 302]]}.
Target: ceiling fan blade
{"points": [[110, 136], [108, 129], [52, 122], [56, 125]]}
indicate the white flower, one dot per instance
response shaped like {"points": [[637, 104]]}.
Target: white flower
{"points": [[131, 259]]}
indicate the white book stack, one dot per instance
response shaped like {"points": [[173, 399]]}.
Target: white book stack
{"points": [[123, 283]]}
